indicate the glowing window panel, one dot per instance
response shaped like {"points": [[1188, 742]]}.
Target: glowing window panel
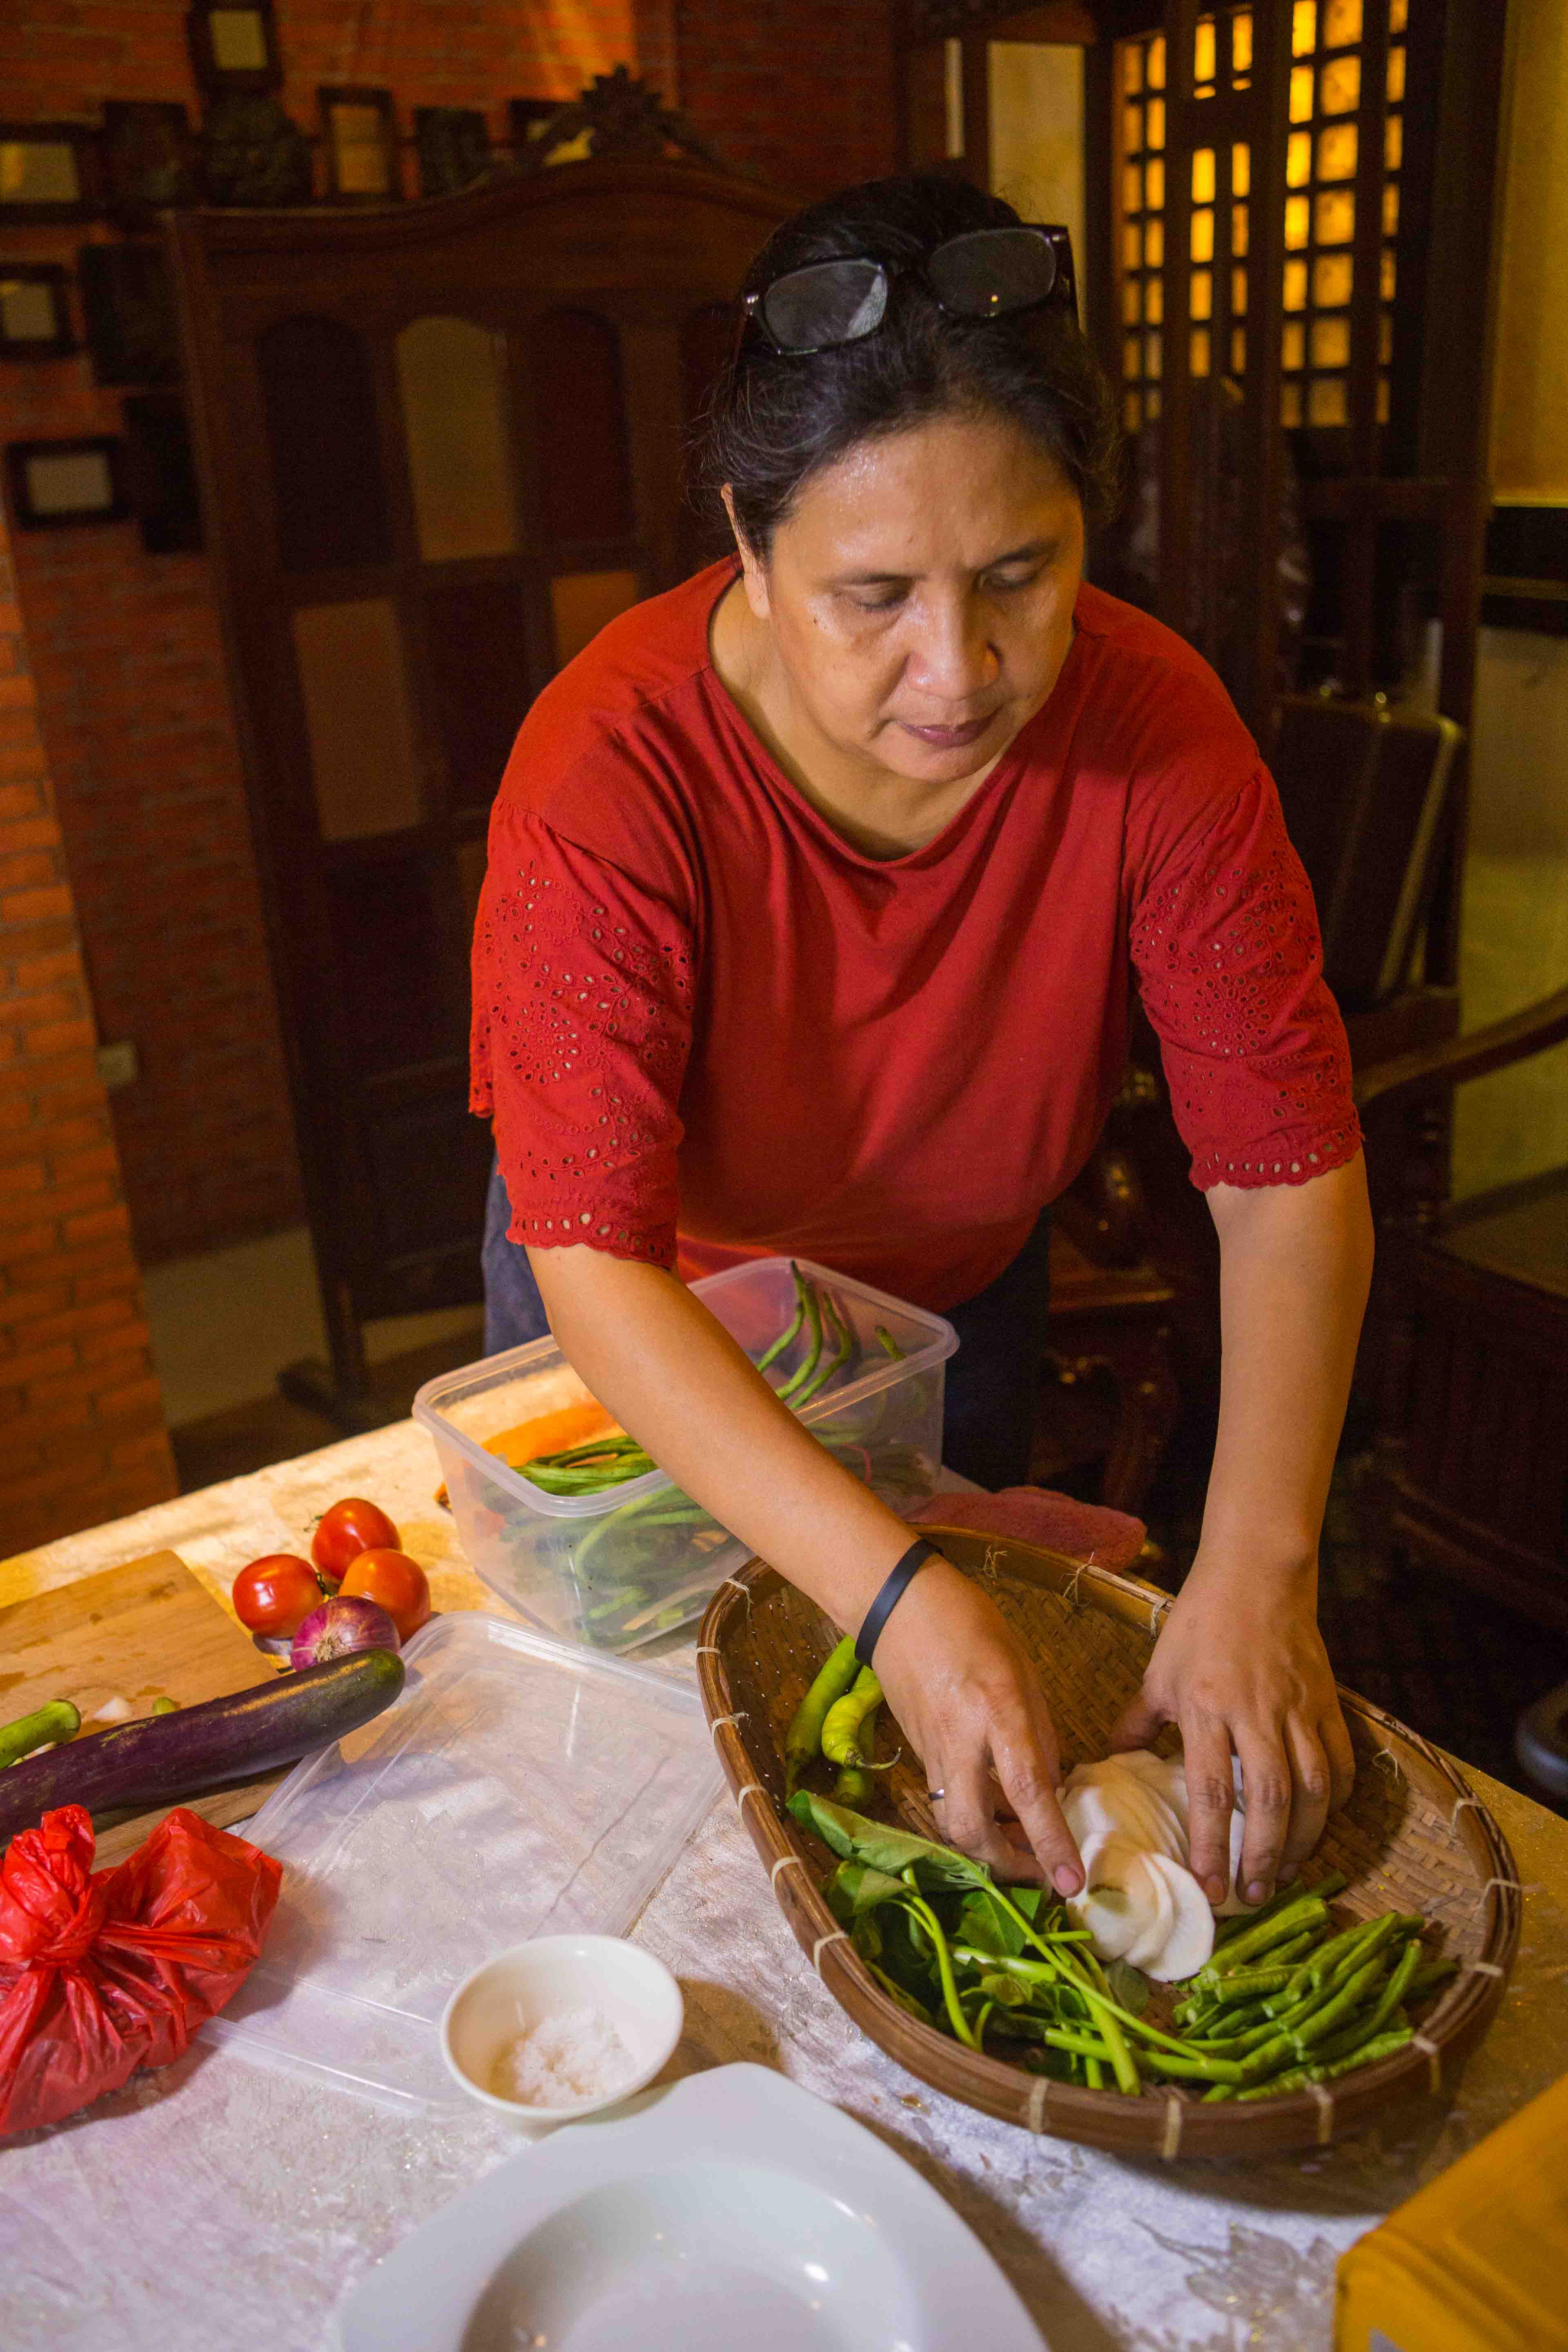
{"points": [[1301, 79], [1238, 221], [1132, 188], [1238, 292], [1151, 356], [1298, 223], [1154, 244], [1395, 76], [1398, 15], [1132, 246], [1155, 72], [1201, 302], [1326, 402], [1203, 236], [1341, 23], [1336, 216], [1204, 51], [1241, 41], [1152, 404], [1394, 142], [1132, 412], [1132, 302], [1133, 69], [1153, 184], [1155, 126], [1202, 176], [1298, 159], [1133, 357], [1333, 276], [1391, 209], [1337, 152], [1132, 128], [1293, 345], [1303, 28], [1295, 286], [1240, 169], [1330, 342], [1198, 351], [1339, 89], [1389, 277], [1154, 302], [1289, 404], [1239, 351], [1385, 338]]}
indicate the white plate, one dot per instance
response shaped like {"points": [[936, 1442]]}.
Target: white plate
{"points": [[732, 2210]]}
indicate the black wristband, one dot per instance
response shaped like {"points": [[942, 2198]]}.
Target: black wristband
{"points": [[892, 1591]]}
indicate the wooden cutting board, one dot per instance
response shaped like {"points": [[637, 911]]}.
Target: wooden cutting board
{"points": [[145, 1631]]}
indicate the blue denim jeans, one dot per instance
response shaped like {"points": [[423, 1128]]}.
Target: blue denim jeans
{"points": [[992, 1382]]}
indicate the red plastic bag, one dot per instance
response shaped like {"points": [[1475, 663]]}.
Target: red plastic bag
{"points": [[104, 1971]]}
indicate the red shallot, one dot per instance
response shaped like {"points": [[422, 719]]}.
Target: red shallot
{"points": [[340, 1627]]}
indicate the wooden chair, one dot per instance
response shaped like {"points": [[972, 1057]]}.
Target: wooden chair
{"points": [[1470, 1470]]}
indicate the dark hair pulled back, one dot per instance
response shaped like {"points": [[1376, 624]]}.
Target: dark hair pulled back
{"points": [[774, 420]]}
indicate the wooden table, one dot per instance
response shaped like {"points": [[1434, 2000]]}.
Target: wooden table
{"points": [[215, 2202]]}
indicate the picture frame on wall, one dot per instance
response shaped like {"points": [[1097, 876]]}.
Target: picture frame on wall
{"points": [[50, 171], [234, 45], [454, 149], [128, 310], [34, 311], [53, 483], [149, 158], [359, 137], [160, 473]]}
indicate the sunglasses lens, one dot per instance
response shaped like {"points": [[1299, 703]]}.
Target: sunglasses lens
{"points": [[831, 302], [993, 271]]}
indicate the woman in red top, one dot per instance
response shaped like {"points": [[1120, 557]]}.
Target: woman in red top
{"points": [[816, 888]]}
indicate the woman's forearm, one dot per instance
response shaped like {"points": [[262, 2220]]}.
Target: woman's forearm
{"points": [[1295, 1266], [673, 1376]]}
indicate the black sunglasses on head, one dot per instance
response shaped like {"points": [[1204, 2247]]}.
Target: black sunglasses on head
{"points": [[987, 273]]}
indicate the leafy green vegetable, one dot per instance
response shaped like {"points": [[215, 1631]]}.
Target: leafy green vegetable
{"points": [[854, 1887], [1128, 1985]]}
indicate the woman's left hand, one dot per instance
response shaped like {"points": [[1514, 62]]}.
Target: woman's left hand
{"points": [[1240, 1666]]}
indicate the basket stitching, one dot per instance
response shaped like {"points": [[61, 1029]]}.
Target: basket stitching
{"points": [[782, 1863], [743, 1590], [1171, 2139], [1325, 2099], [1039, 2097], [839, 1936], [1483, 1968], [751, 1789], [1433, 2056], [709, 1650], [717, 1726]]}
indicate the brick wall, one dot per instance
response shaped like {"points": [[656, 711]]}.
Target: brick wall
{"points": [[796, 92], [133, 698], [81, 1428]]}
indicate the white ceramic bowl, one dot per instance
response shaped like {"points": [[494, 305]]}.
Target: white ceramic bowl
{"points": [[518, 1990]]}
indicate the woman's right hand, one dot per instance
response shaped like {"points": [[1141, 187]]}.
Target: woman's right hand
{"points": [[967, 1697]]}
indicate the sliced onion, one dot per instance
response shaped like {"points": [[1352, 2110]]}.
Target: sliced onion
{"points": [[340, 1627]]}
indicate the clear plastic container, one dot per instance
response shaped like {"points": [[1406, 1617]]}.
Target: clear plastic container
{"points": [[516, 1787], [621, 1569]]}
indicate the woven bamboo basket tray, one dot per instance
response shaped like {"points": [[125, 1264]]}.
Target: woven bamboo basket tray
{"points": [[1412, 1838]]}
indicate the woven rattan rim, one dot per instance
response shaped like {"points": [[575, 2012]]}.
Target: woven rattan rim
{"points": [[1164, 2121]]}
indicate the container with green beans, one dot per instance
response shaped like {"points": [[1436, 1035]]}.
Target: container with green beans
{"points": [[595, 1544]]}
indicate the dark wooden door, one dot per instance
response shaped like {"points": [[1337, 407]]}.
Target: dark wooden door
{"points": [[440, 446]]}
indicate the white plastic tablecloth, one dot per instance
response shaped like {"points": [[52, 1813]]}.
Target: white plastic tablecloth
{"points": [[215, 2203]]}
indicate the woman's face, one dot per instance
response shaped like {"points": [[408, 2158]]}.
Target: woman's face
{"points": [[919, 600]]}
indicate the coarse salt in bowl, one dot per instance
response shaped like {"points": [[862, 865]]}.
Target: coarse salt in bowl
{"points": [[561, 2027]]}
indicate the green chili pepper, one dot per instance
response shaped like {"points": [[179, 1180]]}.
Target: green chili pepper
{"points": [[1308, 1910], [56, 1721], [1297, 2079], [803, 1741], [845, 1731], [889, 1344], [846, 1343]]}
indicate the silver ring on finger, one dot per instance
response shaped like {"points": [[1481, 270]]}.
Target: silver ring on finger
{"points": [[935, 1796]]}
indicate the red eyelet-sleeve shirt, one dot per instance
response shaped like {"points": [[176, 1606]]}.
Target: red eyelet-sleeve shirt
{"points": [[706, 1028]]}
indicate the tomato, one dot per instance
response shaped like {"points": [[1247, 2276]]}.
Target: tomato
{"points": [[276, 1593], [350, 1527], [397, 1583]]}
